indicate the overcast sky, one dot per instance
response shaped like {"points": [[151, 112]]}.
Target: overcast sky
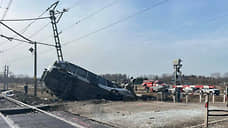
{"points": [[147, 43]]}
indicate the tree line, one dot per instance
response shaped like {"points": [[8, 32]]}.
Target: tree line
{"points": [[213, 79]]}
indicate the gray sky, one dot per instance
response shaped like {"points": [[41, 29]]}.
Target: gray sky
{"points": [[146, 43]]}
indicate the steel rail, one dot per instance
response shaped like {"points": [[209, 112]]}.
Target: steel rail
{"points": [[42, 111]]}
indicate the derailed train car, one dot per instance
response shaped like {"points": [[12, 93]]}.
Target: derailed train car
{"points": [[71, 82]]}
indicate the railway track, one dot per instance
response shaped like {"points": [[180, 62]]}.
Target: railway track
{"points": [[16, 114]]}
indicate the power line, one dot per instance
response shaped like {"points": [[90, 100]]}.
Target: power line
{"points": [[74, 5], [30, 24], [11, 48], [27, 19], [91, 15], [28, 42], [1, 3], [17, 33], [38, 31], [116, 22], [84, 18], [12, 38], [112, 24], [7, 9], [26, 28]]}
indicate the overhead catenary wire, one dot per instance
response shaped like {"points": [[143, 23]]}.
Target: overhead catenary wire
{"points": [[13, 38], [91, 15], [74, 5], [39, 30], [17, 33], [1, 3], [7, 9], [109, 25], [116, 22], [42, 28], [27, 19], [70, 26], [84, 18], [26, 40], [30, 24], [22, 31]]}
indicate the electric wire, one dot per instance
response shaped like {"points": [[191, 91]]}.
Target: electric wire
{"points": [[28, 42], [5, 13], [91, 14], [74, 5], [83, 18], [85, 37], [39, 30], [155, 4], [22, 31], [27, 19], [1, 3], [116, 22], [7, 9], [110, 25]]}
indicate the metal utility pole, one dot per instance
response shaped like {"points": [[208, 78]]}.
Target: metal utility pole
{"points": [[56, 37], [35, 69], [6, 75], [35, 54], [226, 95], [177, 78], [55, 30], [206, 111], [177, 64]]}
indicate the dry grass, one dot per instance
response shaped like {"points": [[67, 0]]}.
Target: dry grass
{"points": [[42, 92]]}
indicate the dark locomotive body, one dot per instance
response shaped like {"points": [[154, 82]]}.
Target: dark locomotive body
{"points": [[71, 82]]}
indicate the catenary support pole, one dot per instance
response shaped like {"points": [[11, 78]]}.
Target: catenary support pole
{"points": [[35, 69], [226, 95]]}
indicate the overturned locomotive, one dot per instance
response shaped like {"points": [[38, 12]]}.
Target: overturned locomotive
{"points": [[71, 82]]}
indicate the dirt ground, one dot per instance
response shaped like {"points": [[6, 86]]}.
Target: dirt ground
{"points": [[141, 114], [134, 114]]}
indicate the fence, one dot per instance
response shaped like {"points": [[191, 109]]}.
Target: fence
{"points": [[208, 111]]}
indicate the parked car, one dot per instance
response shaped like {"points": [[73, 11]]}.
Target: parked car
{"points": [[211, 91], [8, 93]]}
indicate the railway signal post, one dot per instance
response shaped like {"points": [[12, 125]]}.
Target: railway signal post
{"points": [[226, 96], [206, 110]]}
